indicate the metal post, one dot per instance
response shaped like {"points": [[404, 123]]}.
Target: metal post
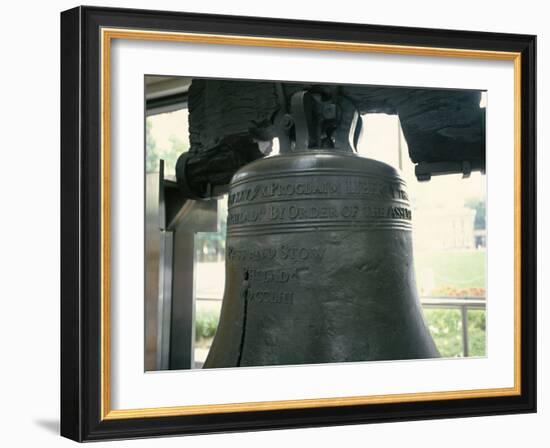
{"points": [[465, 343], [165, 299], [182, 319], [153, 285]]}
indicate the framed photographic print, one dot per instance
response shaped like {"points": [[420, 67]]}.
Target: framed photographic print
{"points": [[273, 223]]}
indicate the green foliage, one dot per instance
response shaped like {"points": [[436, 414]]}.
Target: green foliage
{"points": [[446, 328], [476, 332], [206, 323]]}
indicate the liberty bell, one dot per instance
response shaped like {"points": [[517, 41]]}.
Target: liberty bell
{"points": [[319, 263]]}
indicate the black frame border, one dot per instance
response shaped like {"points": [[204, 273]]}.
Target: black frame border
{"points": [[81, 223]]}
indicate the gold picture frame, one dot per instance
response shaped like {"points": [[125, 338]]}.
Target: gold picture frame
{"points": [[114, 423]]}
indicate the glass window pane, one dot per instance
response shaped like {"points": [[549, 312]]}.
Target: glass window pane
{"points": [[448, 221], [166, 138]]}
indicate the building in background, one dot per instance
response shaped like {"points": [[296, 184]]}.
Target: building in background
{"points": [[439, 228]]}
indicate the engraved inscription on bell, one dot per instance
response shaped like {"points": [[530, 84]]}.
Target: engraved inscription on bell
{"points": [[318, 199], [319, 265]]}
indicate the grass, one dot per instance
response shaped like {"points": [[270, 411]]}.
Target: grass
{"points": [[456, 269]]}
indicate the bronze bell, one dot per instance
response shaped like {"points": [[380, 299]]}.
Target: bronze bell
{"points": [[319, 265]]}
